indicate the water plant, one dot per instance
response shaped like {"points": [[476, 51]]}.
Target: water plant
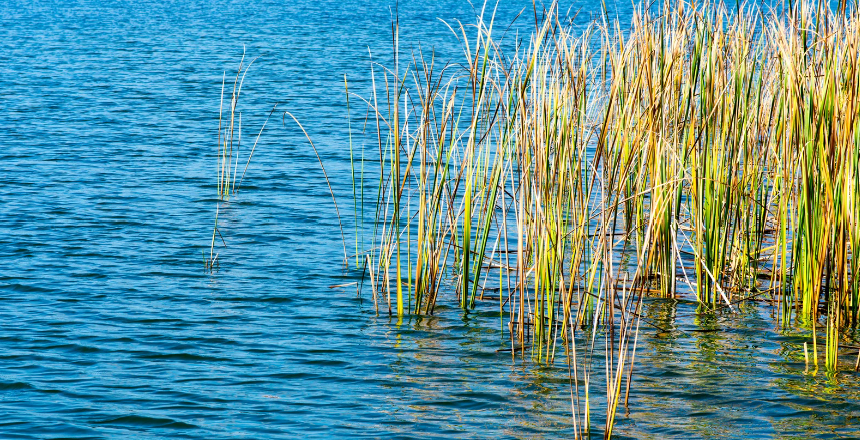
{"points": [[707, 150], [228, 153]]}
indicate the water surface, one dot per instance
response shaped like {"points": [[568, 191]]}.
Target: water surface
{"points": [[110, 327]]}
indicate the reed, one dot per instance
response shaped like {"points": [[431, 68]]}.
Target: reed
{"points": [[707, 150], [228, 153]]}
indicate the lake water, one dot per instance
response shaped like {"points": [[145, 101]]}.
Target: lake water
{"points": [[111, 328]]}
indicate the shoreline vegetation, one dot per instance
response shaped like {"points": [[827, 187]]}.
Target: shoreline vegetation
{"points": [[708, 152]]}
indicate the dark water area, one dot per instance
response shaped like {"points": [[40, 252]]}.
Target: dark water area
{"points": [[111, 328]]}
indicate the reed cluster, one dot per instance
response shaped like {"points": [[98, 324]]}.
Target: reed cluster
{"points": [[705, 150]]}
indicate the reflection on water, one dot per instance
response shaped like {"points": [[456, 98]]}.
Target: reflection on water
{"points": [[722, 376], [451, 372], [708, 376]]}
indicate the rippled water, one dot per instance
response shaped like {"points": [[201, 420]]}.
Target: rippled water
{"points": [[110, 327]]}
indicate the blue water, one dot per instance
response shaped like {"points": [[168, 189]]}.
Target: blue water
{"points": [[111, 328]]}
